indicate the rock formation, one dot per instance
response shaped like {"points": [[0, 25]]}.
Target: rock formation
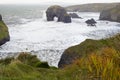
{"points": [[4, 34], [0, 17], [91, 22], [59, 12], [74, 15], [89, 46], [111, 14]]}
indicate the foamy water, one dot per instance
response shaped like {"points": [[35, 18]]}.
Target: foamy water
{"points": [[48, 40]]}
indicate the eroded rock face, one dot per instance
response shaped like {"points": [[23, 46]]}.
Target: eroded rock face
{"points": [[0, 17], [111, 14], [67, 58], [4, 40], [74, 15], [59, 12], [105, 15]]}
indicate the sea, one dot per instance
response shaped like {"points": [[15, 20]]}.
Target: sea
{"points": [[31, 32]]}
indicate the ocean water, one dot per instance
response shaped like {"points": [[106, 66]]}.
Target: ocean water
{"points": [[30, 32]]}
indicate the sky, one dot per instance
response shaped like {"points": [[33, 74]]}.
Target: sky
{"points": [[55, 1]]}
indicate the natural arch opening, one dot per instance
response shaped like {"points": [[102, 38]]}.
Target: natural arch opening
{"points": [[55, 19], [57, 13]]}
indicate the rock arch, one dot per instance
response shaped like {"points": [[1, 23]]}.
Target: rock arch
{"points": [[59, 12]]}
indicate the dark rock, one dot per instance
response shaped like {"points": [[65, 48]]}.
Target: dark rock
{"points": [[67, 18], [0, 17], [67, 58], [59, 12], [112, 14], [105, 15], [91, 22], [4, 40], [74, 15]]}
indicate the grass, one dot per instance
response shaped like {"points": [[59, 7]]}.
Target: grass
{"points": [[100, 65], [89, 45], [3, 30], [23, 67], [99, 60]]}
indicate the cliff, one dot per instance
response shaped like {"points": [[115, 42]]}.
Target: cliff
{"points": [[4, 34], [85, 48], [95, 7], [112, 14]]}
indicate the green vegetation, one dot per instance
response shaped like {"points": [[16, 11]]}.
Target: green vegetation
{"points": [[100, 60], [3, 30], [93, 7], [24, 67], [100, 65], [90, 45], [31, 60]]}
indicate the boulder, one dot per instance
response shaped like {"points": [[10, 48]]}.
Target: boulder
{"points": [[74, 15], [59, 12], [66, 18], [91, 22], [112, 14], [4, 34]]}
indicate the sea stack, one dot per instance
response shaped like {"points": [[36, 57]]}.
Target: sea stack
{"points": [[59, 12]]}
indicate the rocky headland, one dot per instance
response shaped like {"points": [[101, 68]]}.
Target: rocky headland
{"points": [[112, 14], [4, 33], [87, 47], [94, 7]]}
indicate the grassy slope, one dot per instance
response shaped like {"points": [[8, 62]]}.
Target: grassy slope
{"points": [[3, 30], [95, 7], [102, 64], [87, 47], [90, 45]]}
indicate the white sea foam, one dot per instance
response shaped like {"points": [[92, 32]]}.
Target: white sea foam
{"points": [[48, 40]]}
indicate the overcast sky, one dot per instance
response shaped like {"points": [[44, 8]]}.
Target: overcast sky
{"points": [[54, 1]]}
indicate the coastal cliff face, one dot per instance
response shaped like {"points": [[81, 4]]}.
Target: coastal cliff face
{"points": [[112, 14], [87, 47], [4, 34]]}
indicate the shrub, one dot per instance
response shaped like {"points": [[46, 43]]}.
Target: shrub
{"points": [[28, 59], [42, 65], [6, 61], [32, 60], [101, 65]]}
